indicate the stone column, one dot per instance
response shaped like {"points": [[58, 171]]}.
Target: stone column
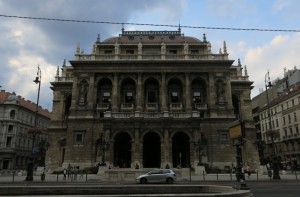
{"points": [[135, 153], [139, 93], [90, 96], [166, 157], [114, 97], [163, 93], [187, 93]]}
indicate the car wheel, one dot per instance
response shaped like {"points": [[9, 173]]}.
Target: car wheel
{"points": [[143, 181], [169, 180]]}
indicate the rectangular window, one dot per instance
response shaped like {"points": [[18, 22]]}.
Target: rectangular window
{"points": [[224, 137], [10, 128], [194, 52], [173, 52], [8, 141], [277, 123], [78, 138], [107, 52], [174, 97], [289, 118], [295, 117], [129, 51], [129, 97], [291, 131], [151, 96], [283, 120], [197, 97], [106, 97]]}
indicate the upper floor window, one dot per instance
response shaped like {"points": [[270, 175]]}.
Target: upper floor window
{"points": [[224, 137], [108, 52], [295, 117], [12, 114], [173, 52], [106, 97], [197, 97], [10, 129], [8, 141], [129, 51], [194, 52], [129, 97], [78, 138], [151, 96], [174, 97]]}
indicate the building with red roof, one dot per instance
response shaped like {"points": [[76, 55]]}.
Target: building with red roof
{"points": [[17, 125]]}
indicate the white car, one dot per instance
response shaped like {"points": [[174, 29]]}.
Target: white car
{"points": [[157, 176]]}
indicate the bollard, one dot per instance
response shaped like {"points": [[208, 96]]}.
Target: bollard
{"points": [[43, 176], [217, 176], [86, 175], [57, 177], [257, 175], [230, 176], [203, 176], [296, 174]]}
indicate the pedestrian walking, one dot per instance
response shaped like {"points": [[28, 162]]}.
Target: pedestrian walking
{"points": [[65, 174], [248, 171]]}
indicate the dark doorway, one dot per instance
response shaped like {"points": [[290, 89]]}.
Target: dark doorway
{"points": [[122, 150], [181, 150], [151, 150]]}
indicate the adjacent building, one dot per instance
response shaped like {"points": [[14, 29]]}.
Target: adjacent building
{"points": [[150, 98], [17, 120], [278, 116]]}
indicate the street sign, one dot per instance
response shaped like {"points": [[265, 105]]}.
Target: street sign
{"points": [[235, 131]]}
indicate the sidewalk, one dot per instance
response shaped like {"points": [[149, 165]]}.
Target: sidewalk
{"points": [[17, 178]]}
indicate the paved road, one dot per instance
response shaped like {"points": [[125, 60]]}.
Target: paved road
{"points": [[260, 185]]}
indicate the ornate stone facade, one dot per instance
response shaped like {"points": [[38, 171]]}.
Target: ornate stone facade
{"points": [[150, 98]]}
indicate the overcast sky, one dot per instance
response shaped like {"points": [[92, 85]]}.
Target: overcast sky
{"points": [[25, 44]]}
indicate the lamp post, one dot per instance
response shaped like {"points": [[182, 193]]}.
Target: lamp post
{"points": [[30, 166], [275, 165]]}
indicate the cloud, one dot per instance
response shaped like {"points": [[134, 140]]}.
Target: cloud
{"points": [[28, 43], [274, 56]]}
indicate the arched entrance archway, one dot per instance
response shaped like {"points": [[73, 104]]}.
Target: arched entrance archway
{"points": [[181, 150], [151, 151], [122, 150]]}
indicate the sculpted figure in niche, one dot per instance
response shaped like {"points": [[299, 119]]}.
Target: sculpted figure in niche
{"points": [[186, 48], [83, 94], [117, 48], [220, 91]]}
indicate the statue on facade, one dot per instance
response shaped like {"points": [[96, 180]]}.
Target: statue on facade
{"points": [[117, 48], [185, 48], [83, 94], [220, 92]]}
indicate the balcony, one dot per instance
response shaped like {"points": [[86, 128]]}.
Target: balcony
{"points": [[175, 107], [151, 107], [200, 106], [102, 106], [127, 107]]}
